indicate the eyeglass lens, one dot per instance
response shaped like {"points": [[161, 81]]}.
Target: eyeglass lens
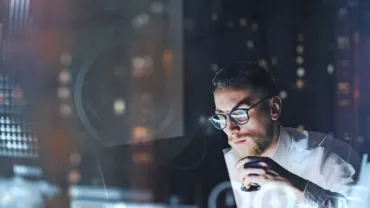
{"points": [[238, 116]]}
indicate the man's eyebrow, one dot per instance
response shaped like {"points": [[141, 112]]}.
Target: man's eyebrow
{"points": [[218, 111], [245, 101]]}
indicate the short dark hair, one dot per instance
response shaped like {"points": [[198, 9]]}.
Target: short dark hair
{"points": [[246, 75]]}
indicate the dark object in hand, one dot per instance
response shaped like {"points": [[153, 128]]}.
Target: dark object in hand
{"points": [[252, 187]]}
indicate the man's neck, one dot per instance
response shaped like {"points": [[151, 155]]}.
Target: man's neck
{"points": [[270, 151]]}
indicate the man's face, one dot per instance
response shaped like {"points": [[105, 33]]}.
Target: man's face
{"points": [[252, 138]]}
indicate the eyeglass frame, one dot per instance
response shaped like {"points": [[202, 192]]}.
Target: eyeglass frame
{"points": [[232, 119]]}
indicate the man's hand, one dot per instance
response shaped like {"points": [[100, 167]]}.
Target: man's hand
{"points": [[264, 170]]}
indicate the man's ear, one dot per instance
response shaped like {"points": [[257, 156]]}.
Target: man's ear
{"points": [[276, 105]]}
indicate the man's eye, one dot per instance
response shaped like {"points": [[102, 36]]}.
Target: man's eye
{"points": [[239, 112]]}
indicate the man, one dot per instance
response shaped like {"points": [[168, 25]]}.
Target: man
{"points": [[308, 169]]}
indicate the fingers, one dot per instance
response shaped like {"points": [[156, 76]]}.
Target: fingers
{"points": [[254, 170], [256, 165], [260, 168], [259, 162], [246, 160], [243, 173]]}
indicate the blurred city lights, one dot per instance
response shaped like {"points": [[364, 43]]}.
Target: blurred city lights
{"points": [[63, 93], [243, 22], [300, 83], [299, 60], [65, 110], [301, 72], [250, 44], [140, 20], [300, 49], [142, 66], [254, 27], [74, 176], [141, 134], [119, 106], [283, 94], [66, 59], [330, 69], [64, 77], [157, 7]]}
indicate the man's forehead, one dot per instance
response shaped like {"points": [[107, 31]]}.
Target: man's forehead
{"points": [[227, 99], [232, 95]]}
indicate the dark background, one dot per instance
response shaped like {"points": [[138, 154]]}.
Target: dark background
{"points": [[317, 50]]}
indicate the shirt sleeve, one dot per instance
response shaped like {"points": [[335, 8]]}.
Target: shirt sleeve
{"points": [[339, 177], [316, 197]]}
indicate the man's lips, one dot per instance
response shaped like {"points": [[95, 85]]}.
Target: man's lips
{"points": [[239, 141]]}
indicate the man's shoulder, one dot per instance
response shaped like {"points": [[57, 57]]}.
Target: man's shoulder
{"points": [[306, 139], [314, 139], [331, 146]]}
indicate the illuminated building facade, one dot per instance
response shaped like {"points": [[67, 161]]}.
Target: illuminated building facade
{"points": [[18, 139], [22, 176], [352, 49]]}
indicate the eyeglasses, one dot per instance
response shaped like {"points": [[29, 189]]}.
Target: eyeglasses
{"points": [[238, 116]]}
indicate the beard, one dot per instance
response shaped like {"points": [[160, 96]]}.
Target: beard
{"points": [[256, 144], [260, 145]]}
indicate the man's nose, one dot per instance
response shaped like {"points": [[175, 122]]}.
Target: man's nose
{"points": [[231, 126]]}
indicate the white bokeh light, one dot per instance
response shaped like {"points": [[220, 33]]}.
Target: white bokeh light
{"points": [[4, 199], [64, 77], [66, 59], [142, 66], [138, 62], [250, 44], [63, 93], [65, 110], [283, 94], [140, 20], [214, 67], [330, 69], [262, 63], [301, 72], [157, 7], [119, 106], [120, 205], [202, 120], [300, 60]]}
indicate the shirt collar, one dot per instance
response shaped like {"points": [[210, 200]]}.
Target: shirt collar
{"points": [[283, 146]]}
